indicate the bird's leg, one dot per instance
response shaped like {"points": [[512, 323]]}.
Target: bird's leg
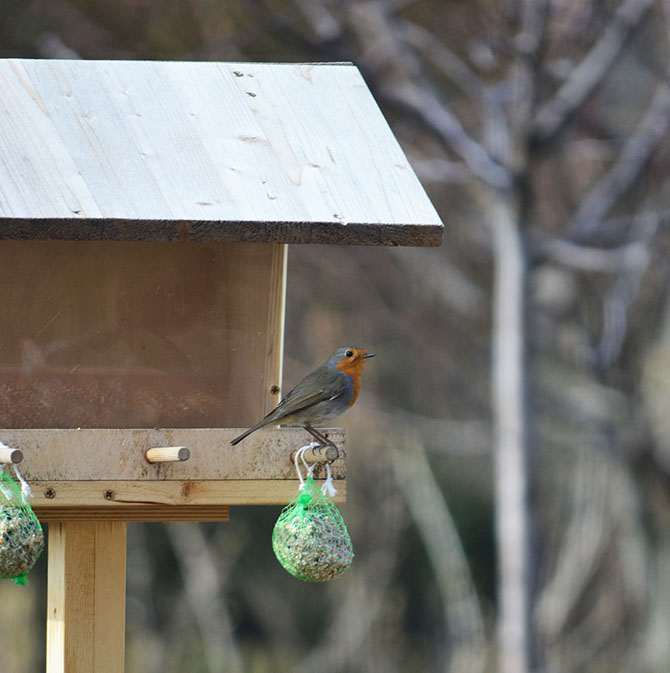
{"points": [[323, 441]]}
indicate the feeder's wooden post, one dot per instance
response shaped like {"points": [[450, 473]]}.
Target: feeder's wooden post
{"points": [[86, 597]]}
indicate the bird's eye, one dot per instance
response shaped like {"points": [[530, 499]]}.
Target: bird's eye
{"points": [[349, 354]]}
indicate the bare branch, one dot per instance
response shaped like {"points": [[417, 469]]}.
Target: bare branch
{"points": [[496, 128], [321, 20], [604, 536], [627, 168], [534, 14], [435, 51], [584, 541], [440, 170], [666, 17], [203, 586], [50, 45], [464, 438], [520, 94], [589, 73], [437, 117], [621, 295], [410, 89], [436, 526], [592, 259]]}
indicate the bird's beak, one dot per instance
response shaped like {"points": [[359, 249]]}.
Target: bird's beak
{"points": [[368, 355]]}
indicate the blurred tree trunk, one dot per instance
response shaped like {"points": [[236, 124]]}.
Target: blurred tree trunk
{"points": [[510, 446], [508, 140]]}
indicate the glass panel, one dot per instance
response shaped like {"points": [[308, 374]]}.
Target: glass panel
{"points": [[110, 334]]}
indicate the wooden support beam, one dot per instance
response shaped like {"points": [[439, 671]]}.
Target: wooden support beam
{"points": [[118, 454], [87, 474], [161, 501], [86, 597]]}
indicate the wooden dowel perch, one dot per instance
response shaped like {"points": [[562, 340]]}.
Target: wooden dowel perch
{"points": [[325, 454], [167, 454], [9, 455]]}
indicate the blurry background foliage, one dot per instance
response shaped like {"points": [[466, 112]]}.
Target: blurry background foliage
{"points": [[554, 113]]}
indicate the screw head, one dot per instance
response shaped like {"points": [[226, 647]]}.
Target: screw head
{"points": [[50, 493]]}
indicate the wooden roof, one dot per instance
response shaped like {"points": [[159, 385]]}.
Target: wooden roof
{"points": [[139, 150]]}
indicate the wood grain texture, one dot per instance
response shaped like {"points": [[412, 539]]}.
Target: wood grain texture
{"points": [[102, 474], [160, 501], [52, 455], [168, 151], [138, 512], [86, 597]]}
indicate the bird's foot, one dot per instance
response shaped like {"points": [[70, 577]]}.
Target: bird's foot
{"points": [[326, 448]]}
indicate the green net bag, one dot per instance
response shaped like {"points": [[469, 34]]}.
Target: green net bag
{"points": [[21, 536], [310, 539]]}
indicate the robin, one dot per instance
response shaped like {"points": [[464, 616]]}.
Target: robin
{"points": [[321, 396]]}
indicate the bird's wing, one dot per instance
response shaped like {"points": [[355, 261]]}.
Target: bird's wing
{"points": [[297, 400], [307, 393]]}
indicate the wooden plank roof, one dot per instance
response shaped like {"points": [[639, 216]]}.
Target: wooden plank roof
{"points": [[203, 151]]}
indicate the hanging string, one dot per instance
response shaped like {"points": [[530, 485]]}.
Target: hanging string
{"points": [[300, 456], [25, 487], [328, 487], [5, 490]]}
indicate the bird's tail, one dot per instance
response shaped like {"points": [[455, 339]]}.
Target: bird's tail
{"points": [[246, 433]]}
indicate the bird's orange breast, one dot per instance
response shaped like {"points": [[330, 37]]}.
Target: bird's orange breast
{"points": [[354, 370]]}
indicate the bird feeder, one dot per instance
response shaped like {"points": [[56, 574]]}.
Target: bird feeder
{"points": [[145, 212]]}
